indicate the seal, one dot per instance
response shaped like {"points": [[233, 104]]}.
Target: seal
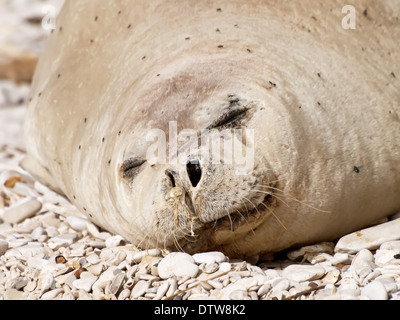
{"points": [[313, 105]]}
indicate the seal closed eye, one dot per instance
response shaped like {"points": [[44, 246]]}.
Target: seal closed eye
{"points": [[131, 167], [230, 117]]}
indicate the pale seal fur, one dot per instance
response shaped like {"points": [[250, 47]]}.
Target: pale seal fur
{"points": [[323, 101]]}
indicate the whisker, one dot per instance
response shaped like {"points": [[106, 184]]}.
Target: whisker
{"points": [[292, 198], [230, 219], [275, 216], [273, 195]]}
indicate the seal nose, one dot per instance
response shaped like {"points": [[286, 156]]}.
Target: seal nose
{"points": [[194, 172]]}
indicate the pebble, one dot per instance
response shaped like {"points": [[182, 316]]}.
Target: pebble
{"points": [[370, 238], [139, 289], [301, 273], [177, 264], [3, 247], [77, 223], [22, 210], [209, 257], [84, 283], [375, 291]]}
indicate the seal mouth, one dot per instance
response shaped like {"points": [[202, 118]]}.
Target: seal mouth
{"points": [[235, 219]]}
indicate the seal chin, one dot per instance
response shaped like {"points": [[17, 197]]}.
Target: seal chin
{"points": [[247, 217]]}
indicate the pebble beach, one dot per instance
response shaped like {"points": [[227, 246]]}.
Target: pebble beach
{"points": [[51, 251]]}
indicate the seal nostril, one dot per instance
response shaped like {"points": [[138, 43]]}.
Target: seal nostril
{"points": [[194, 172], [171, 177]]}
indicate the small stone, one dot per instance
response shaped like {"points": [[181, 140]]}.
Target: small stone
{"points": [[62, 240], [51, 295], [209, 257], [116, 283], [114, 241], [225, 266], [177, 264], [375, 291], [77, 223], [22, 210], [139, 289], [3, 247], [13, 294], [326, 247], [84, 283], [162, 290], [17, 283], [264, 289], [369, 238], [301, 273]]}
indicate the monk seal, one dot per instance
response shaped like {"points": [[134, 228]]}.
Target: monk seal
{"points": [[318, 104]]}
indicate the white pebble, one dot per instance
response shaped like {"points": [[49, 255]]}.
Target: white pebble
{"points": [[209, 257], [375, 291], [85, 283], [177, 264], [3, 247], [22, 210], [225, 266], [139, 289], [301, 273], [114, 241], [162, 290], [62, 240], [77, 223], [264, 289], [370, 238]]}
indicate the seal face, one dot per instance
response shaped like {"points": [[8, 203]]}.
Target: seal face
{"points": [[247, 128]]}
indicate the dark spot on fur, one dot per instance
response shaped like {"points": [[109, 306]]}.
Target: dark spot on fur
{"points": [[272, 84], [318, 103], [119, 133], [393, 75], [109, 162], [96, 18], [144, 57], [356, 169], [91, 41], [187, 38], [59, 76], [217, 30], [219, 9], [319, 75], [102, 140], [248, 50], [119, 12], [40, 94], [220, 46], [158, 74], [129, 26], [85, 120], [84, 209], [79, 147], [60, 29], [74, 196]]}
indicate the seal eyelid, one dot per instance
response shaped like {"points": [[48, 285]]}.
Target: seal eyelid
{"points": [[229, 117], [130, 168]]}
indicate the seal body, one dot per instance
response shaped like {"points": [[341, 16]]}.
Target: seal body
{"points": [[316, 105]]}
